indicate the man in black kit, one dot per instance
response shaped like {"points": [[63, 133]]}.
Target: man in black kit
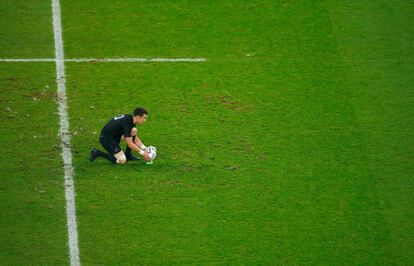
{"points": [[120, 128]]}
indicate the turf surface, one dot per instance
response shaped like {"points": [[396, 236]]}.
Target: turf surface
{"points": [[292, 144], [32, 208], [33, 218]]}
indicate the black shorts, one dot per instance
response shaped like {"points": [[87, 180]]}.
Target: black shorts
{"points": [[110, 144]]}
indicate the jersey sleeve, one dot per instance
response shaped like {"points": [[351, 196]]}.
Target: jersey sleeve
{"points": [[126, 128]]}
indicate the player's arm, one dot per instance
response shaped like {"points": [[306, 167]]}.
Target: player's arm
{"points": [[134, 147], [139, 143]]}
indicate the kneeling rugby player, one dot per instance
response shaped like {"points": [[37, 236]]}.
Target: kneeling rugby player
{"points": [[122, 128]]}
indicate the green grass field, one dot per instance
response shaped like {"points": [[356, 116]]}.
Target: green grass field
{"points": [[292, 144]]}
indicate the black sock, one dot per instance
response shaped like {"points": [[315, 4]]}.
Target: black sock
{"points": [[128, 149], [107, 156]]}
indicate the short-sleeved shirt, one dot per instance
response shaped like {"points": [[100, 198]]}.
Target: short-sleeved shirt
{"points": [[118, 126]]}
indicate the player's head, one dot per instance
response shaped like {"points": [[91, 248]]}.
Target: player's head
{"points": [[140, 115]]}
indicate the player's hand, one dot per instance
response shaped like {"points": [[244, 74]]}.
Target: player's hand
{"points": [[146, 156]]}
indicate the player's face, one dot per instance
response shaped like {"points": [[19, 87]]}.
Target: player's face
{"points": [[142, 119]]}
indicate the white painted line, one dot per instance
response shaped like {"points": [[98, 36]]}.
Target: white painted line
{"points": [[27, 59], [126, 59], [65, 137], [136, 59]]}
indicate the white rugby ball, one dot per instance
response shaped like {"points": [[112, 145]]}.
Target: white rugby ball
{"points": [[152, 152]]}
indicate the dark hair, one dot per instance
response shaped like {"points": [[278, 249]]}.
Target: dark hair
{"points": [[139, 111]]}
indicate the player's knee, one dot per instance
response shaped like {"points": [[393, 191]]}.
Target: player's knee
{"points": [[120, 157], [121, 161], [134, 131]]}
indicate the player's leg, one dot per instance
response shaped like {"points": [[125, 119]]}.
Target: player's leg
{"points": [[110, 145], [95, 153], [128, 151], [120, 157]]}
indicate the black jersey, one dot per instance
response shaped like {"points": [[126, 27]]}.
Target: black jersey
{"points": [[118, 126]]}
